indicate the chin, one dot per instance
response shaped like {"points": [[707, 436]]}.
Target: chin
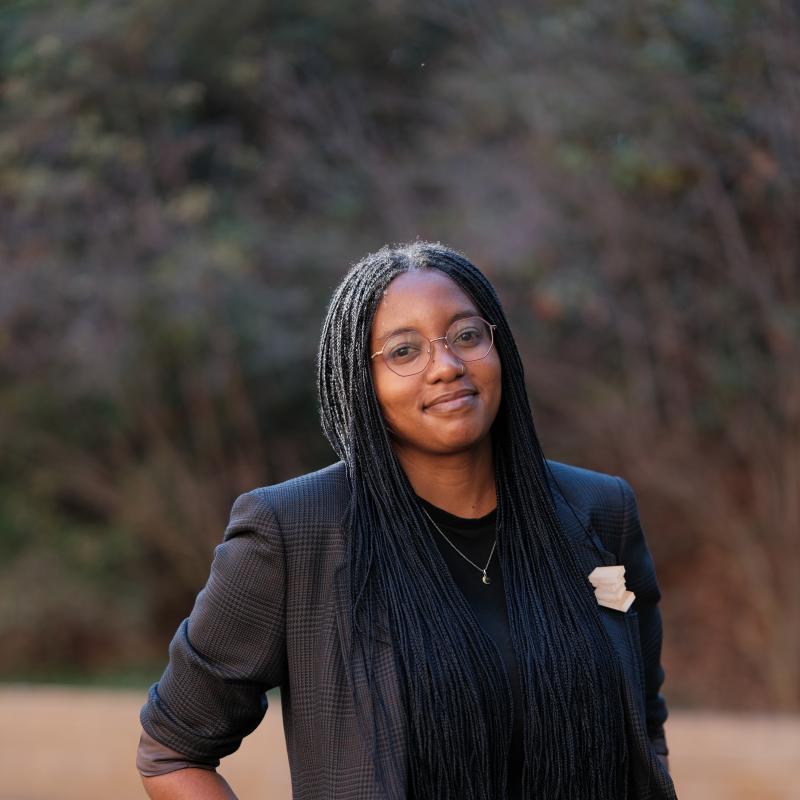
{"points": [[444, 437], [447, 445]]}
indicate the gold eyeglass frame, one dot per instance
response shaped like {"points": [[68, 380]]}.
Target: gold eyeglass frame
{"points": [[492, 329]]}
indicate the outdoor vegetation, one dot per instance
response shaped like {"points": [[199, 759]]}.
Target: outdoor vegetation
{"points": [[183, 183]]}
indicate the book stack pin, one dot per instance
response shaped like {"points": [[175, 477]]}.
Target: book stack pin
{"points": [[609, 587]]}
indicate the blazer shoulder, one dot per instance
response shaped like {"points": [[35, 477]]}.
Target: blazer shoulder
{"points": [[320, 497], [587, 488], [606, 501]]}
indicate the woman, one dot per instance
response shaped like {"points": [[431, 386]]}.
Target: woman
{"points": [[424, 603]]}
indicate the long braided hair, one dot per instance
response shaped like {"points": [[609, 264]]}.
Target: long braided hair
{"points": [[456, 702]]}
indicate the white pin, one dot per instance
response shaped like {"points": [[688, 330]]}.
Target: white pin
{"points": [[609, 587]]}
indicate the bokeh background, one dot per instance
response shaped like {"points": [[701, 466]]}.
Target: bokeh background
{"points": [[182, 185]]}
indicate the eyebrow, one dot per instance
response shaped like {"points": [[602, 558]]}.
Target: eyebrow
{"points": [[407, 329]]}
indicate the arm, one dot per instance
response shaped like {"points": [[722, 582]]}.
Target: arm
{"points": [[224, 657], [188, 784], [640, 577]]}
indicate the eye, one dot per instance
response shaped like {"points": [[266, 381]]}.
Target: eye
{"points": [[403, 351], [468, 336]]}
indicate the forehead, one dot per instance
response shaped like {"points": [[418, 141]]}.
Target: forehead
{"points": [[423, 299]]}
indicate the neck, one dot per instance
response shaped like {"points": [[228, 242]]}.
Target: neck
{"points": [[461, 483]]}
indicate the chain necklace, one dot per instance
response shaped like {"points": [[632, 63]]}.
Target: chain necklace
{"points": [[486, 579]]}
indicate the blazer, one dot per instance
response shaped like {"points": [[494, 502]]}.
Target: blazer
{"points": [[274, 612]]}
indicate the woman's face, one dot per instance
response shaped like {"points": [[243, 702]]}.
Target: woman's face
{"points": [[442, 410]]}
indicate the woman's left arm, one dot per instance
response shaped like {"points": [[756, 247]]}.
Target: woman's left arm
{"points": [[640, 577]]}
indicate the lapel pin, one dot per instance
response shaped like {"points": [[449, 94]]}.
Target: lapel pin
{"points": [[609, 587]]}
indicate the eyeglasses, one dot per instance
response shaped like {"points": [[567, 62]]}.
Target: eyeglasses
{"points": [[409, 352]]}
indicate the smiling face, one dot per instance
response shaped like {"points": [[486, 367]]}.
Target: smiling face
{"points": [[444, 409]]}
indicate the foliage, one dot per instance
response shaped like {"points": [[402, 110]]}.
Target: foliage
{"points": [[182, 184]]}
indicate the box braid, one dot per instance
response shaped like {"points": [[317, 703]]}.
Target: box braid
{"points": [[456, 700]]}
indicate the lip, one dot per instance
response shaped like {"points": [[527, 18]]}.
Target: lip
{"points": [[448, 398]]}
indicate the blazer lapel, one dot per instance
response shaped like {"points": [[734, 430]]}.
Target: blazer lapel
{"points": [[591, 553], [577, 524]]}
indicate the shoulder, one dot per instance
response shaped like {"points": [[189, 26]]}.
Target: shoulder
{"points": [[317, 497], [606, 502], [587, 487]]}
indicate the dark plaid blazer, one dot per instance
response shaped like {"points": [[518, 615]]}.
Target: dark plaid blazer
{"points": [[274, 612]]}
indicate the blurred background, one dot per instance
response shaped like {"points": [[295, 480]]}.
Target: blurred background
{"points": [[183, 184]]}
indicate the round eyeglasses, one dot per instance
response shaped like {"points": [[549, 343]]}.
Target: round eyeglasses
{"points": [[409, 352]]}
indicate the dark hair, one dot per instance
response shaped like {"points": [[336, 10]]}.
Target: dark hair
{"points": [[455, 702]]}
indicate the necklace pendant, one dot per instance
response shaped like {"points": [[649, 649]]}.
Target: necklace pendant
{"points": [[486, 579]]}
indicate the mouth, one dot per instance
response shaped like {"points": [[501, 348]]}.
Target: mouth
{"points": [[451, 400]]}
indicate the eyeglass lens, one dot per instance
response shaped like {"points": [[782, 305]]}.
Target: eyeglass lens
{"points": [[409, 352]]}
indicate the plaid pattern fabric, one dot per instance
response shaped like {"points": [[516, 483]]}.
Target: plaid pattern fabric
{"points": [[274, 612]]}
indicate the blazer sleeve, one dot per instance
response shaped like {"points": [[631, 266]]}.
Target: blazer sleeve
{"points": [[640, 577], [231, 649]]}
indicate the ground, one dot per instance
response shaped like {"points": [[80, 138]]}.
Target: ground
{"points": [[79, 744]]}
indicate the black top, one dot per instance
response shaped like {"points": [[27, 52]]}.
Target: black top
{"points": [[475, 537]]}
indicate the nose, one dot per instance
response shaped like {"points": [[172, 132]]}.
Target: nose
{"points": [[446, 361]]}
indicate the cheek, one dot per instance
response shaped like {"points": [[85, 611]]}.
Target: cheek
{"points": [[499, 382], [494, 387], [492, 377], [395, 395]]}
